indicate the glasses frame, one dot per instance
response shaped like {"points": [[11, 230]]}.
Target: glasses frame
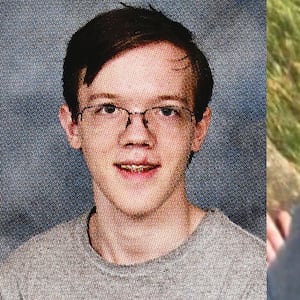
{"points": [[143, 113]]}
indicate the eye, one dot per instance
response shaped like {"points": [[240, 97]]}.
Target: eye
{"points": [[106, 109], [109, 108], [169, 111]]}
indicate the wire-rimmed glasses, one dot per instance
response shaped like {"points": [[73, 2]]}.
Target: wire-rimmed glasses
{"points": [[112, 116]]}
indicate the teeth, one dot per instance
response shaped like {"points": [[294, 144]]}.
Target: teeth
{"points": [[136, 168]]}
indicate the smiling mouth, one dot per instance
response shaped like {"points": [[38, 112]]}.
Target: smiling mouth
{"points": [[136, 168]]}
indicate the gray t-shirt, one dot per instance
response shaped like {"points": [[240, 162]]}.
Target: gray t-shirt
{"points": [[218, 261]]}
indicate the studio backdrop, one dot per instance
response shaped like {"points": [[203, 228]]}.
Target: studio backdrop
{"points": [[44, 182]]}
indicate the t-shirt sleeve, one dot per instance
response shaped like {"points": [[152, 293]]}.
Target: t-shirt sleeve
{"points": [[9, 286]]}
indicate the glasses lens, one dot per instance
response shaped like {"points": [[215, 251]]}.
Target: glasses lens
{"points": [[168, 117], [105, 115]]}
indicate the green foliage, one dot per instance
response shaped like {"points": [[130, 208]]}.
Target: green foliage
{"points": [[283, 77]]}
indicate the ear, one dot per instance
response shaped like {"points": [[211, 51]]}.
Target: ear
{"points": [[70, 127], [201, 130]]}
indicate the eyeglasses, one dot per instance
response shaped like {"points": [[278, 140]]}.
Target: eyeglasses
{"points": [[159, 117]]}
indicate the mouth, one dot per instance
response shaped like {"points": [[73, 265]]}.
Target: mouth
{"points": [[134, 168], [137, 170]]}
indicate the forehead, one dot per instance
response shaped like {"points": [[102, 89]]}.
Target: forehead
{"points": [[158, 55], [151, 70]]}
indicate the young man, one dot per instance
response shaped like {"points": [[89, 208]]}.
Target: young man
{"points": [[137, 89]]}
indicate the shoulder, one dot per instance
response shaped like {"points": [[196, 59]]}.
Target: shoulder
{"points": [[45, 255], [246, 250], [240, 255], [232, 236], [45, 246]]}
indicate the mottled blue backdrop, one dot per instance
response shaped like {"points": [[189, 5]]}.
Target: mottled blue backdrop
{"points": [[44, 182]]}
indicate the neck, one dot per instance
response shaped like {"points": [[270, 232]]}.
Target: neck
{"points": [[126, 240]]}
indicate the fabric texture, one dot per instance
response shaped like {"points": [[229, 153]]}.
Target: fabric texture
{"points": [[218, 261]]}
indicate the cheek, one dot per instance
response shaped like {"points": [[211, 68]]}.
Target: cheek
{"points": [[96, 148], [178, 148]]}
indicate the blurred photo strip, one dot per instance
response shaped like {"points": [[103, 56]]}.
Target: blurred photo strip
{"points": [[283, 149]]}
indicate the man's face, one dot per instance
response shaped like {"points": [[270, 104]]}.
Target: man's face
{"points": [[138, 169]]}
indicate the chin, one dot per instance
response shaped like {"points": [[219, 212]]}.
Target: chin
{"points": [[139, 212]]}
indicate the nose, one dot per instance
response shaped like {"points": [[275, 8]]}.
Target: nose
{"points": [[137, 132], [142, 114]]}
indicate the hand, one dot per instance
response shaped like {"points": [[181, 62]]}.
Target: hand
{"points": [[277, 232]]}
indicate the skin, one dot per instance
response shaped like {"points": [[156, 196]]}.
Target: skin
{"points": [[139, 216], [278, 229]]}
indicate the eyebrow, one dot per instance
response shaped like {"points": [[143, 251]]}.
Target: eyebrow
{"points": [[173, 97], [159, 98], [102, 95]]}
